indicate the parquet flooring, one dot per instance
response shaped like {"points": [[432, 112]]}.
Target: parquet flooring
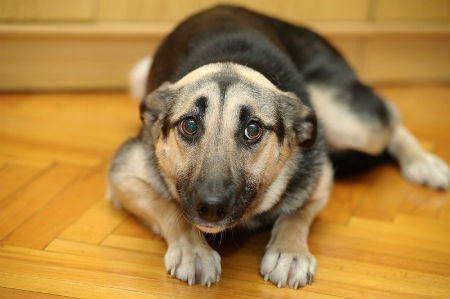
{"points": [[379, 237]]}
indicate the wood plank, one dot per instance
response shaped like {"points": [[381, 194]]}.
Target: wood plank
{"points": [[142, 268], [444, 215], [379, 251], [411, 10], [137, 10], [94, 64], [46, 224], [395, 280], [135, 244], [321, 10], [431, 225], [13, 177], [294, 10], [95, 224], [392, 59], [132, 227], [406, 282], [376, 227], [25, 161], [22, 205], [43, 153], [424, 203], [57, 286], [352, 290], [26, 132], [6, 293], [45, 266], [106, 252], [100, 59], [344, 199], [47, 10], [388, 203], [393, 236]]}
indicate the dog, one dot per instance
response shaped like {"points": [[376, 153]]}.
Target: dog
{"points": [[241, 113]]}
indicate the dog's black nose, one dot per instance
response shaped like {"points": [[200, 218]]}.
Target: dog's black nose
{"points": [[213, 208]]}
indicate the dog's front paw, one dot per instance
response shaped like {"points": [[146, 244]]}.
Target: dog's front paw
{"points": [[428, 170], [193, 263], [282, 268]]}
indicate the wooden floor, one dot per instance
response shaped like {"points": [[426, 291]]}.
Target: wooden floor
{"points": [[379, 237]]}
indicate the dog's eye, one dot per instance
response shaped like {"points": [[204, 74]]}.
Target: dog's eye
{"points": [[253, 131], [188, 126]]}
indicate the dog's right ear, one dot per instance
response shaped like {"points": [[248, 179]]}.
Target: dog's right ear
{"points": [[300, 118], [155, 107]]}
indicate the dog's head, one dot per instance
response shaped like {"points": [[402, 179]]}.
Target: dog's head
{"points": [[223, 135]]}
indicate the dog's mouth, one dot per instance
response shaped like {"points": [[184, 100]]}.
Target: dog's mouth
{"points": [[210, 227], [212, 218]]}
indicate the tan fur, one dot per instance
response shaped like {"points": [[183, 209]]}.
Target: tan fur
{"points": [[170, 158], [285, 254], [271, 166]]}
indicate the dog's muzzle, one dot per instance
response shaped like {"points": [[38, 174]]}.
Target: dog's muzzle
{"points": [[213, 206]]}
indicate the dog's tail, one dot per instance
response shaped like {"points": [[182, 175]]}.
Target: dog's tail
{"points": [[138, 77], [350, 163]]}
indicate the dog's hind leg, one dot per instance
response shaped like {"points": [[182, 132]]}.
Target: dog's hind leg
{"points": [[356, 118], [417, 164]]}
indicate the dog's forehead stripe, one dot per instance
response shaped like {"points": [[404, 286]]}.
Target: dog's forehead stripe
{"points": [[221, 92], [221, 87], [224, 83], [216, 71]]}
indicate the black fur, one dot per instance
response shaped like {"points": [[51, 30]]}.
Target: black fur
{"points": [[290, 56], [226, 34]]}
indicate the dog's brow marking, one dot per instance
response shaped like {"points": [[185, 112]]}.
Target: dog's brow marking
{"points": [[223, 87], [201, 104]]}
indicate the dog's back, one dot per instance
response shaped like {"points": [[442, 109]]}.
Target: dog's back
{"points": [[228, 34]]}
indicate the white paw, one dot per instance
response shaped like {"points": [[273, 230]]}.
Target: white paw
{"points": [[193, 263], [428, 170], [293, 269]]}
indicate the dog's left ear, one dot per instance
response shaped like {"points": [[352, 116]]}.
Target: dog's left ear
{"points": [[301, 119], [305, 127], [155, 106]]}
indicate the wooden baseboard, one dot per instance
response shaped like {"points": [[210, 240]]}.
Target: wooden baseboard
{"points": [[98, 57]]}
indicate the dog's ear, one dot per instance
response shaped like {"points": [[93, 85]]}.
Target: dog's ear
{"points": [[156, 105], [305, 127], [300, 118]]}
